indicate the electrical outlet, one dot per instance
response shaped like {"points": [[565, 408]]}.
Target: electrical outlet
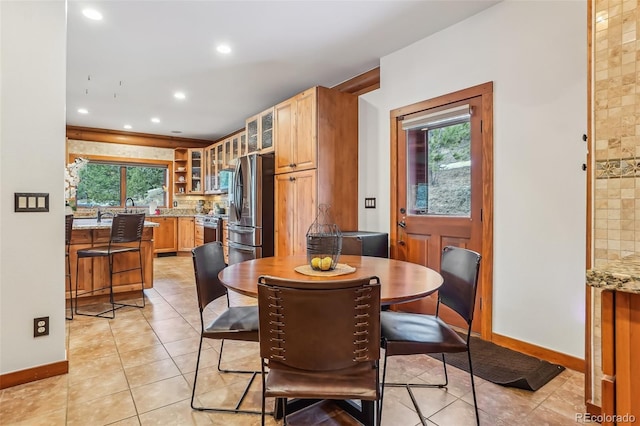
{"points": [[40, 326]]}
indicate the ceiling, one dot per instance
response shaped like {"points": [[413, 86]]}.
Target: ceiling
{"points": [[125, 68]]}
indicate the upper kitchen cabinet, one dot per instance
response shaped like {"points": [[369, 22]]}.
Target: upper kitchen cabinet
{"points": [[237, 148], [195, 171], [259, 132], [296, 136], [315, 128], [209, 168], [180, 165]]}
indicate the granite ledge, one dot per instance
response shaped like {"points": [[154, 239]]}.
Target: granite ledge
{"points": [[82, 224], [619, 275]]}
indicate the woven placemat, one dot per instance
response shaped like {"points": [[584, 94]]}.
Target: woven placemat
{"points": [[340, 269]]}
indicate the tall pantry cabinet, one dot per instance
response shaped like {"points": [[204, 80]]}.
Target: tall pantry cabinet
{"points": [[316, 162]]}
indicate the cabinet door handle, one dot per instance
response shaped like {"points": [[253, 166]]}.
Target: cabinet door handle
{"points": [[292, 178], [291, 165]]}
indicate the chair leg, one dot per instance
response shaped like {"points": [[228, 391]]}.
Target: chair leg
{"points": [[473, 389], [68, 279], [408, 387], [244, 394], [99, 314], [122, 305]]}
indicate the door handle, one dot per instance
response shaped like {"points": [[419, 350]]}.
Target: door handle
{"points": [[402, 224], [402, 243]]}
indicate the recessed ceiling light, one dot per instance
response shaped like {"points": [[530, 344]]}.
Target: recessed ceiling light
{"points": [[224, 48], [127, 126], [92, 14], [83, 111], [155, 120], [179, 95]]}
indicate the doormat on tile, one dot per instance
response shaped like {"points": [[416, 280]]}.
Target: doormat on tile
{"points": [[503, 366]]}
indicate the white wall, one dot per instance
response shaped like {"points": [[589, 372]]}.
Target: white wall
{"points": [[535, 52], [32, 135]]}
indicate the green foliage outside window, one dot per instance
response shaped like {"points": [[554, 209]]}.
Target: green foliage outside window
{"points": [[100, 185]]}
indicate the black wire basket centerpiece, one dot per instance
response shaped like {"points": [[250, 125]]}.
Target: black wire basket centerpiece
{"points": [[324, 242]]}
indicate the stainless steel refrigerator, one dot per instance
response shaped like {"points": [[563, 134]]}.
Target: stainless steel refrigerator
{"points": [[251, 201]]}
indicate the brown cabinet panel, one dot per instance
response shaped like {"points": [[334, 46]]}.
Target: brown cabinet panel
{"points": [[295, 133], [295, 210], [186, 233], [199, 235], [165, 235]]}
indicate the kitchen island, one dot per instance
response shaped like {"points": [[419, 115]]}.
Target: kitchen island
{"points": [[94, 272], [620, 329]]}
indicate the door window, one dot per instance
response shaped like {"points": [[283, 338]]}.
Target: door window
{"points": [[439, 163]]}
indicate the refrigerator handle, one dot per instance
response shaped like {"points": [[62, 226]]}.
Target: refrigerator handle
{"points": [[236, 191]]}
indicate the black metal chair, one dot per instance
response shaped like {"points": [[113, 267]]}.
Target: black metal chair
{"points": [[68, 228], [320, 340], [410, 334], [125, 229], [235, 323]]}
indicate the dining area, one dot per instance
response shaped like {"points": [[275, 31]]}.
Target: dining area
{"points": [[139, 369], [320, 333]]}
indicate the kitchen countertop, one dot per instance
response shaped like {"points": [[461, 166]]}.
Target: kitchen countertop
{"points": [[92, 223], [619, 275]]}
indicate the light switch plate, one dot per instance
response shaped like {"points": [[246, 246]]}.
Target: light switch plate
{"points": [[31, 202]]}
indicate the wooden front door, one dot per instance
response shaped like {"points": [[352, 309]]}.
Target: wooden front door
{"points": [[443, 193]]}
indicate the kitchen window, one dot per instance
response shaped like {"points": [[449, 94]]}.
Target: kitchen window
{"points": [[108, 183]]}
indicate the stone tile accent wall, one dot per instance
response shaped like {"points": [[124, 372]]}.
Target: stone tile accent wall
{"points": [[616, 104], [616, 107]]}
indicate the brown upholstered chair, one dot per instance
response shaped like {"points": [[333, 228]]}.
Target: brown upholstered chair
{"points": [[235, 323], [68, 228], [321, 340], [410, 334], [125, 228]]}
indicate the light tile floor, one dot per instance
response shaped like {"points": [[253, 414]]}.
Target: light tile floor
{"points": [[138, 369]]}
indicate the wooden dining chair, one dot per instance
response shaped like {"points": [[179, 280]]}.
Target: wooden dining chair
{"points": [[320, 340], [411, 334], [234, 323]]}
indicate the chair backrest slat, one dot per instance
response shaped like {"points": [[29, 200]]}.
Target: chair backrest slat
{"points": [[319, 325], [127, 228], [459, 267]]}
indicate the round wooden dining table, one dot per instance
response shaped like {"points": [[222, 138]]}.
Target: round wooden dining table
{"points": [[400, 281]]}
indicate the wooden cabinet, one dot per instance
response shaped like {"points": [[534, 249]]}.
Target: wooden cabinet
{"points": [[198, 235], [195, 171], [297, 133], [180, 166], [260, 132], [209, 168], [186, 233], [165, 235], [225, 240], [295, 210], [316, 155]]}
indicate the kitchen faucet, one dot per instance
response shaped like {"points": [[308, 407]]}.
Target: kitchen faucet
{"points": [[133, 204], [102, 214]]}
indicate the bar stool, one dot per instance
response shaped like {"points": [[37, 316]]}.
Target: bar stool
{"points": [[68, 228], [125, 228]]}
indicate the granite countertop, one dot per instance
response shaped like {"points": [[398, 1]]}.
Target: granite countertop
{"points": [[619, 275], [92, 223]]}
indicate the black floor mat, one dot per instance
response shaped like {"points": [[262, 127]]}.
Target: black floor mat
{"points": [[504, 366]]}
